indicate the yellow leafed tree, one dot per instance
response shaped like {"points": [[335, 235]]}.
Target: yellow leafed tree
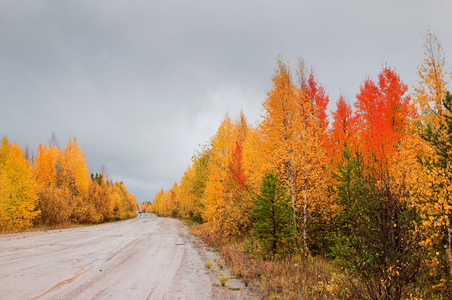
{"points": [[433, 81], [73, 177], [226, 196], [293, 133], [432, 192], [214, 194], [172, 199], [18, 199], [192, 186], [159, 205], [186, 193], [73, 169]]}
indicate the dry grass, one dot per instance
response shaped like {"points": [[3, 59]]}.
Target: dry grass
{"points": [[223, 279], [220, 262], [303, 277], [209, 264], [294, 277]]}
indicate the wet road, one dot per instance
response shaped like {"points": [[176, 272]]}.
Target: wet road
{"points": [[143, 258]]}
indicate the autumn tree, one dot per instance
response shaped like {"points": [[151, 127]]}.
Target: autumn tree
{"points": [[159, 204], [433, 82], [431, 190], [101, 197], [315, 92], [66, 193], [172, 199], [145, 206], [236, 184], [294, 134], [73, 169], [53, 200], [223, 202], [18, 199], [343, 131], [191, 189], [254, 163], [311, 170], [383, 114], [373, 240], [437, 208], [74, 178], [128, 201], [279, 129], [385, 253]]}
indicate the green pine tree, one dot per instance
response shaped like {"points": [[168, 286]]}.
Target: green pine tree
{"points": [[272, 216], [373, 239]]}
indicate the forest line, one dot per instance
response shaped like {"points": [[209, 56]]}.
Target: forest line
{"points": [[370, 189], [55, 189]]}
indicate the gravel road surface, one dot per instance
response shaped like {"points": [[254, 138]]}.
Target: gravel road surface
{"points": [[143, 258]]}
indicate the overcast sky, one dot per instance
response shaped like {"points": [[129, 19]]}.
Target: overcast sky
{"points": [[142, 84]]}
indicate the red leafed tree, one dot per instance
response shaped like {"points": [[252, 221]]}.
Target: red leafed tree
{"points": [[320, 99], [382, 113], [236, 171], [315, 94]]}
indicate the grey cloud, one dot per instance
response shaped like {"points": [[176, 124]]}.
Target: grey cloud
{"points": [[143, 83]]}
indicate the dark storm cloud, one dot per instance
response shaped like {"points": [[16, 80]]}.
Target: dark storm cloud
{"points": [[143, 83]]}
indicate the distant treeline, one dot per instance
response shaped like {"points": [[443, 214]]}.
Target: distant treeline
{"points": [[54, 188]]}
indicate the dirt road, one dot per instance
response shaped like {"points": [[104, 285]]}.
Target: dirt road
{"points": [[143, 258]]}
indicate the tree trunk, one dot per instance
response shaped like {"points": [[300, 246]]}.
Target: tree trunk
{"points": [[290, 177], [305, 208]]}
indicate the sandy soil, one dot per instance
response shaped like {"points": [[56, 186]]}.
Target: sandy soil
{"points": [[143, 258]]}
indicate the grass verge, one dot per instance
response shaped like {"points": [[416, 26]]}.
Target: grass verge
{"points": [[293, 277]]}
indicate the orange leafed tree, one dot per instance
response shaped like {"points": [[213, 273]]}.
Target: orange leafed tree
{"points": [[145, 207], [279, 129], [343, 130], [254, 163], [56, 189], [238, 190], [101, 198], [294, 133], [220, 211], [53, 200], [66, 193], [311, 163], [128, 202], [319, 100]]}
